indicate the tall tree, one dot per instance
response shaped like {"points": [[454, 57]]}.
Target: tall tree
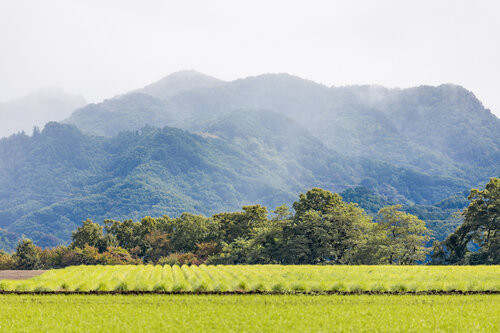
{"points": [[159, 246], [480, 230], [239, 224], [324, 229], [404, 237], [27, 256], [89, 233]]}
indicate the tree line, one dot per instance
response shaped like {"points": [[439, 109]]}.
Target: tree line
{"points": [[322, 229]]}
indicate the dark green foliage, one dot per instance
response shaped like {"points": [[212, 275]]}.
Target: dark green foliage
{"points": [[187, 231], [59, 177], [27, 255], [91, 234], [232, 226], [480, 231], [366, 198], [323, 230]]}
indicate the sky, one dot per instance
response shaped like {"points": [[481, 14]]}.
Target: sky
{"points": [[107, 47]]}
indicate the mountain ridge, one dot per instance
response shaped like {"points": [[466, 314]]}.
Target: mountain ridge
{"points": [[204, 145], [74, 176]]}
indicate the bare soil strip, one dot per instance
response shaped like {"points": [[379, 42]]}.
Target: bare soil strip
{"points": [[19, 275], [427, 292]]}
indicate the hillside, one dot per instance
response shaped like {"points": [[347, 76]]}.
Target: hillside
{"points": [[258, 140], [443, 130], [60, 176], [54, 179]]}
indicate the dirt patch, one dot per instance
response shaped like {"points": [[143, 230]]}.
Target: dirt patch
{"points": [[19, 275]]}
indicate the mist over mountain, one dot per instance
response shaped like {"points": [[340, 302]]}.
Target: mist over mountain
{"points": [[179, 82], [54, 179], [36, 109], [443, 130], [192, 143]]}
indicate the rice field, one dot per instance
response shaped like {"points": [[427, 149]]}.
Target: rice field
{"points": [[249, 313], [261, 278]]}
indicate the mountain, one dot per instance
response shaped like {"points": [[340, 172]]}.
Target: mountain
{"points": [[179, 82], [57, 177], [53, 180], [442, 131], [191, 143], [146, 106], [36, 109]]}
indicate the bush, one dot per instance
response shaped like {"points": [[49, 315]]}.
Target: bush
{"points": [[179, 259], [116, 255], [6, 261], [206, 250]]}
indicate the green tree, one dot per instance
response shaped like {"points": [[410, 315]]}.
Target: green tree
{"points": [[236, 252], [131, 235], [159, 246], [324, 229], [240, 224], [27, 255], [188, 230], [6, 261], [404, 237], [480, 230], [125, 232], [89, 233]]}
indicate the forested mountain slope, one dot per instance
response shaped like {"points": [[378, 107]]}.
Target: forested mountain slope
{"points": [[58, 177], [443, 130], [259, 140], [53, 180]]}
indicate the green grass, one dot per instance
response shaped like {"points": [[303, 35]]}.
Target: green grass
{"points": [[274, 278], [250, 313]]}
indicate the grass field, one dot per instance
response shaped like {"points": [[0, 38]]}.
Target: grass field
{"points": [[250, 313], [272, 278]]}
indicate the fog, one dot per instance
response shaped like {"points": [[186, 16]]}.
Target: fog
{"points": [[102, 48], [36, 109]]}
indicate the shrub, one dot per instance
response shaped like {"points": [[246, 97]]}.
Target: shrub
{"points": [[6, 261], [116, 255], [206, 250], [179, 259]]}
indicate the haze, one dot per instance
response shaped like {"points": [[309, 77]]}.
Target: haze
{"points": [[102, 48]]}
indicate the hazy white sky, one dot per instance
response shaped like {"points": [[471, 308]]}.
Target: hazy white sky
{"points": [[100, 48]]}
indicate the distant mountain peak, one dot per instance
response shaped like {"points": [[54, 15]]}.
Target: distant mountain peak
{"points": [[37, 108], [179, 82], [46, 93], [186, 73], [281, 78]]}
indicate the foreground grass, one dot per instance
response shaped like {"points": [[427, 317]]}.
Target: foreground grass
{"points": [[269, 313], [274, 278]]}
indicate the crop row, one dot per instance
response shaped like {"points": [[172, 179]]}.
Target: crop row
{"points": [[276, 278]]}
